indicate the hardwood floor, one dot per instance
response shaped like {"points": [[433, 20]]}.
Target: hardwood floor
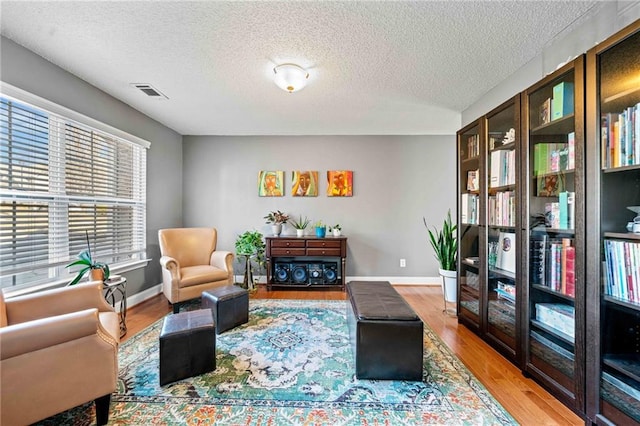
{"points": [[525, 400]]}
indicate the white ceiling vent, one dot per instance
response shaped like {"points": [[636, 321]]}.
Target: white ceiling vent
{"points": [[149, 90]]}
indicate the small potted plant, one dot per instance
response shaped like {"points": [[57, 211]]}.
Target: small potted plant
{"points": [[336, 230], [251, 246], [98, 271], [321, 229], [300, 225], [276, 220]]}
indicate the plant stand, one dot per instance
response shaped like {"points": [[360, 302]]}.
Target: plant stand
{"points": [[449, 291], [247, 283]]}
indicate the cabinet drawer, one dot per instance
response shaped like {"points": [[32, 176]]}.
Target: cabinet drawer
{"points": [[323, 251], [291, 251], [287, 243], [323, 243]]}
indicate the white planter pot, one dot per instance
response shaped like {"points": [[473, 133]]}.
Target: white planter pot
{"points": [[276, 229], [300, 232], [336, 232], [449, 285]]}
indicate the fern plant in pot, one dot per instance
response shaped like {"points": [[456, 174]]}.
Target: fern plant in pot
{"points": [[445, 245], [251, 246]]}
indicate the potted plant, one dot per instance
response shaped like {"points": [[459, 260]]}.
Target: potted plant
{"points": [[321, 229], [336, 230], [98, 271], [445, 246], [300, 225], [276, 220], [251, 246]]}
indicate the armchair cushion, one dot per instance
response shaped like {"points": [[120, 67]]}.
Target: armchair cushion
{"points": [[59, 350], [194, 275]]}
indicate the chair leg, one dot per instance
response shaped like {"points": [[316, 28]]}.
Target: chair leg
{"points": [[102, 409], [176, 308]]}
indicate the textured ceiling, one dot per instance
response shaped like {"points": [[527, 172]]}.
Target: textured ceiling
{"points": [[376, 67]]}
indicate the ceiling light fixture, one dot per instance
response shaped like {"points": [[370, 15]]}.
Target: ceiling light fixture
{"points": [[290, 77]]}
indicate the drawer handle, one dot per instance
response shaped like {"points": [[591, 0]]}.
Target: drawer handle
{"points": [[287, 244], [323, 252], [288, 251]]}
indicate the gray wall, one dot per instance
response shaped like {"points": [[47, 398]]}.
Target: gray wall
{"points": [[605, 19], [397, 181], [24, 69]]}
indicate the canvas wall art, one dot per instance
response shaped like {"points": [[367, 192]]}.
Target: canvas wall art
{"points": [[271, 183], [304, 183], [339, 183]]}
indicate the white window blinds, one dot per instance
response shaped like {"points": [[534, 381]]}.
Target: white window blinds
{"points": [[60, 179]]}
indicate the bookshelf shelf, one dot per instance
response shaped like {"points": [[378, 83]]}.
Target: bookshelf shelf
{"points": [[619, 169], [627, 364], [621, 302], [622, 235], [554, 332], [547, 290], [558, 126]]}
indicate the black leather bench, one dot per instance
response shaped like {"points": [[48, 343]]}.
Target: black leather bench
{"points": [[385, 332]]}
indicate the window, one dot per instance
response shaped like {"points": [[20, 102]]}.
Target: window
{"points": [[61, 180]]}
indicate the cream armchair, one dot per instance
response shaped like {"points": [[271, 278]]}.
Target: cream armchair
{"points": [[58, 350], [191, 264]]}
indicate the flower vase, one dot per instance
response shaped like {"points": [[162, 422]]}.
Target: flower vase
{"points": [[276, 229]]}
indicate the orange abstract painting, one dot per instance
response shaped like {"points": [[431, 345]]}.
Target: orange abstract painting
{"points": [[339, 183], [271, 183]]}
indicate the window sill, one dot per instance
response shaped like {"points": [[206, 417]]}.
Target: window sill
{"points": [[118, 269]]}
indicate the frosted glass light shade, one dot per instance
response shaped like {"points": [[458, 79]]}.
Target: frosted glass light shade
{"points": [[290, 77]]}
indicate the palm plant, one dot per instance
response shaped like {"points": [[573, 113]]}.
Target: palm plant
{"points": [[444, 243]]}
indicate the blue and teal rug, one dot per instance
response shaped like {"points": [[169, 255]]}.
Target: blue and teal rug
{"points": [[292, 364]]}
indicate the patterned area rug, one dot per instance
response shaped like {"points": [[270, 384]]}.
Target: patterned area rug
{"points": [[291, 364]]}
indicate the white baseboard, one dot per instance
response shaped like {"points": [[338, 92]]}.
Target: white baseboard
{"points": [[138, 298]]}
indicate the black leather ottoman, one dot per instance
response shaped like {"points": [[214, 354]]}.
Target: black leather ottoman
{"points": [[385, 332], [187, 345], [229, 304]]}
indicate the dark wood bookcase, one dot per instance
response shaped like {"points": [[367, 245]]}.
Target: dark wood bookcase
{"points": [[488, 225], [471, 223], [613, 165], [553, 315], [568, 312]]}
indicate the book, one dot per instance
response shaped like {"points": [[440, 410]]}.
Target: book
{"points": [[563, 210], [545, 111], [494, 179], [571, 151], [537, 247], [473, 177], [507, 252], [562, 101], [570, 271]]}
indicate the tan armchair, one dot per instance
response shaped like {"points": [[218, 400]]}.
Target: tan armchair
{"points": [[191, 264], [58, 350]]}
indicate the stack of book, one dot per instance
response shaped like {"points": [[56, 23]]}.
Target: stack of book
{"points": [[503, 169], [557, 316], [561, 214], [553, 264], [620, 137], [622, 270]]}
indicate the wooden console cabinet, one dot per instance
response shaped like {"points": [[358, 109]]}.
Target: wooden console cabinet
{"points": [[306, 261]]}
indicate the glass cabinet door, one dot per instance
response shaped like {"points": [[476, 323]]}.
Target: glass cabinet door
{"points": [[503, 131], [470, 181], [554, 204], [617, 78]]}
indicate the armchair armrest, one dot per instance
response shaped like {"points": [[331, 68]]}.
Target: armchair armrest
{"points": [[55, 302], [172, 265], [42, 333], [223, 260]]}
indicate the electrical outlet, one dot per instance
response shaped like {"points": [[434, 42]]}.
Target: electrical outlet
{"points": [[403, 263]]}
